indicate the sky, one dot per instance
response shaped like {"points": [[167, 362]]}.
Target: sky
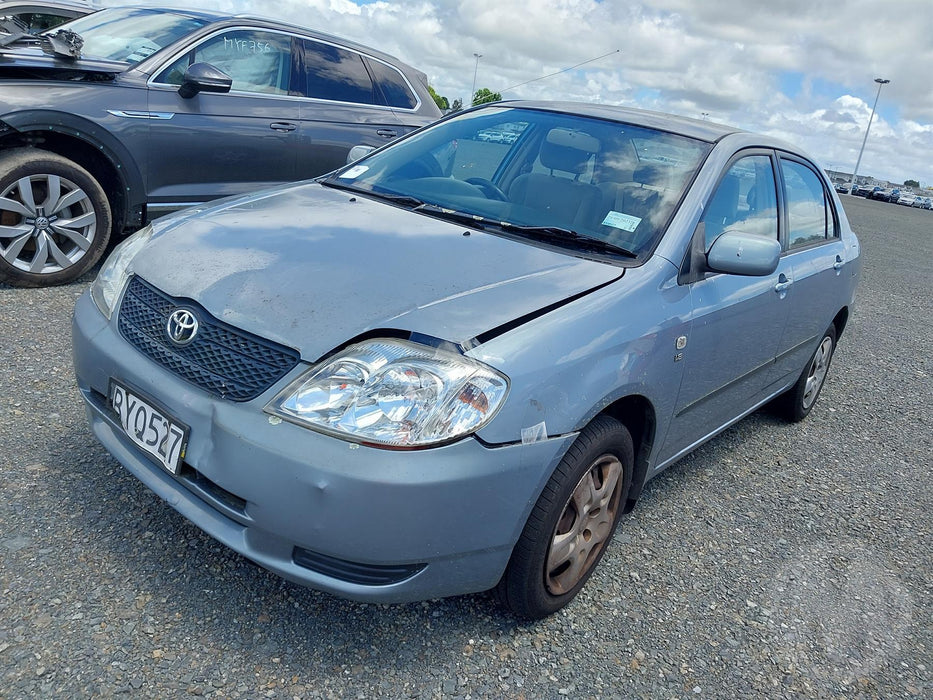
{"points": [[801, 70]]}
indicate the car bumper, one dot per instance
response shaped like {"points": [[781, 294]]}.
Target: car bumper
{"points": [[359, 522]]}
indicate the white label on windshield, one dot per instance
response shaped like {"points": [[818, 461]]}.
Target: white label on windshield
{"points": [[353, 172], [626, 222]]}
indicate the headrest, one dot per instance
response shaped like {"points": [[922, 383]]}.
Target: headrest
{"points": [[568, 150]]}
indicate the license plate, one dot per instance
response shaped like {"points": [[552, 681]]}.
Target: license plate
{"points": [[151, 428]]}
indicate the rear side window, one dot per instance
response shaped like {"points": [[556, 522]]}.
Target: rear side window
{"points": [[809, 212], [336, 74], [393, 86]]}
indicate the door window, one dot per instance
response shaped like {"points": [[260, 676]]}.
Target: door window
{"points": [[394, 87], [809, 214], [333, 73], [256, 61], [744, 200]]}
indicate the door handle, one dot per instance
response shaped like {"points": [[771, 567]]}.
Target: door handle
{"points": [[283, 126], [783, 284], [387, 133]]}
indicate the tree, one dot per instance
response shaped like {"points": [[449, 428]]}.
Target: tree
{"points": [[440, 100], [911, 183], [457, 105], [484, 95]]}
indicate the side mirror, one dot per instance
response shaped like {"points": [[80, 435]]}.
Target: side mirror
{"points": [[358, 152], [203, 77], [738, 253]]}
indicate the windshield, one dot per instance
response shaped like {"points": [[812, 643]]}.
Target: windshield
{"points": [[130, 35], [523, 169]]}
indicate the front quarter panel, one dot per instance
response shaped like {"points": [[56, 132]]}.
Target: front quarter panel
{"points": [[568, 365]]}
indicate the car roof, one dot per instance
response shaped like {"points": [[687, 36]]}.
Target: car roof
{"points": [[694, 128]]}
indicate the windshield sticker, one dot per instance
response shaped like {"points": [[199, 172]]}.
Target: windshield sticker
{"points": [[353, 172], [626, 222]]}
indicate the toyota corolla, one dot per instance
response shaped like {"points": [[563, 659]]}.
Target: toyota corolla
{"points": [[452, 365]]}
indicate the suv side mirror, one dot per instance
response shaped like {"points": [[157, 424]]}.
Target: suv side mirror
{"points": [[738, 253], [358, 152], [203, 77]]}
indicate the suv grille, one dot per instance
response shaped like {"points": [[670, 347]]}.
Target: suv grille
{"points": [[222, 360]]}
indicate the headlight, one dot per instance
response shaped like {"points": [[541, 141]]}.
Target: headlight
{"points": [[116, 271], [394, 393]]}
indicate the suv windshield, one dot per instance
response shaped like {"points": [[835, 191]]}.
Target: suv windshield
{"points": [[130, 35], [524, 172]]}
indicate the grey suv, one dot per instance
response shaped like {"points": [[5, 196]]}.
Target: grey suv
{"points": [[131, 112]]}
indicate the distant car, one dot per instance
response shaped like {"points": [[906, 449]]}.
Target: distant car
{"points": [[842, 187], [31, 17], [921, 202], [127, 113], [906, 200], [452, 366], [863, 190]]}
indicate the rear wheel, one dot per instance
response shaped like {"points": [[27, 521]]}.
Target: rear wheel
{"points": [[797, 403], [54, 219], [572, 522]]}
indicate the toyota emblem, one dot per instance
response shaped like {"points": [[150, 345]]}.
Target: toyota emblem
{"points": [[182, 326]]}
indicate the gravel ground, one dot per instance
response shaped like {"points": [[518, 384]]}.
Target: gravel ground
{"points": [[776, 561]]}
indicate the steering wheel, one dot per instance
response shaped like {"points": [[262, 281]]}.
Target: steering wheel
{"points": [[488, 188]]}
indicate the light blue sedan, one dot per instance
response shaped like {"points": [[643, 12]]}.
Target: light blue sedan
{"points": [[453, 365]]}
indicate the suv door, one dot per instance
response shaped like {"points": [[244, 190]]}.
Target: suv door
{"points": [[225, 143], [345, 106], [722, 378]]}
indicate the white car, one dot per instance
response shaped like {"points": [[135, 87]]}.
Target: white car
{"points": [[906, 199]]}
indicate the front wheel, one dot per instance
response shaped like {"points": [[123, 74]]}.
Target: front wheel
{"points": [[797, 403], [571, 523], [54, 219]]}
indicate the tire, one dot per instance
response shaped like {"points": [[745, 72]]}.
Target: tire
{"points": [[796, 404], [549, 566], [54, 231]]}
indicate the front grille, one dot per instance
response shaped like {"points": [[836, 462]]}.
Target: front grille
{"points": [[221, 359]]}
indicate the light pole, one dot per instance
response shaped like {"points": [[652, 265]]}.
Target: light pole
{"points": [[477, 56], [881, 82]]}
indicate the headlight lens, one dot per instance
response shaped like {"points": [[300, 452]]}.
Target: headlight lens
{"points": [[116, 271], [394, 393]]}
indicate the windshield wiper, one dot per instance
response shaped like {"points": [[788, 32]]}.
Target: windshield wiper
{"points": [[462, 217], [404, 200], [565, 236], [61, 43]]}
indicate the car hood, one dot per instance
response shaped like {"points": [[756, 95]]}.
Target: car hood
{"points": [[313, 268], [41, 64]]}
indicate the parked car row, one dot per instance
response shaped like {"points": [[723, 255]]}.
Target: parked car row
{"points": [[894, 195], [128, 113]]}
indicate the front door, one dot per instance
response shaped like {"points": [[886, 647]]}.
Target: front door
{"points": [[230, 143]]}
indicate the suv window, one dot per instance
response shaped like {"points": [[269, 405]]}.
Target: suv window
{"points": [[336, 74], [395, 89], [257, 61], [809, 215], [744, 200]]}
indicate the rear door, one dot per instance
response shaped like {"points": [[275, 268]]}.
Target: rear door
{"points": [[344, 106], [223, 144], [816, 253]]}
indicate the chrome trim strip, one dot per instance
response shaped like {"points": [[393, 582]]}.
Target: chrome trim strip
{"points": [[139, 114]]}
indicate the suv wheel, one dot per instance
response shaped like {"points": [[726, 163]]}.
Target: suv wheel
{"points": [[54, 219]]}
